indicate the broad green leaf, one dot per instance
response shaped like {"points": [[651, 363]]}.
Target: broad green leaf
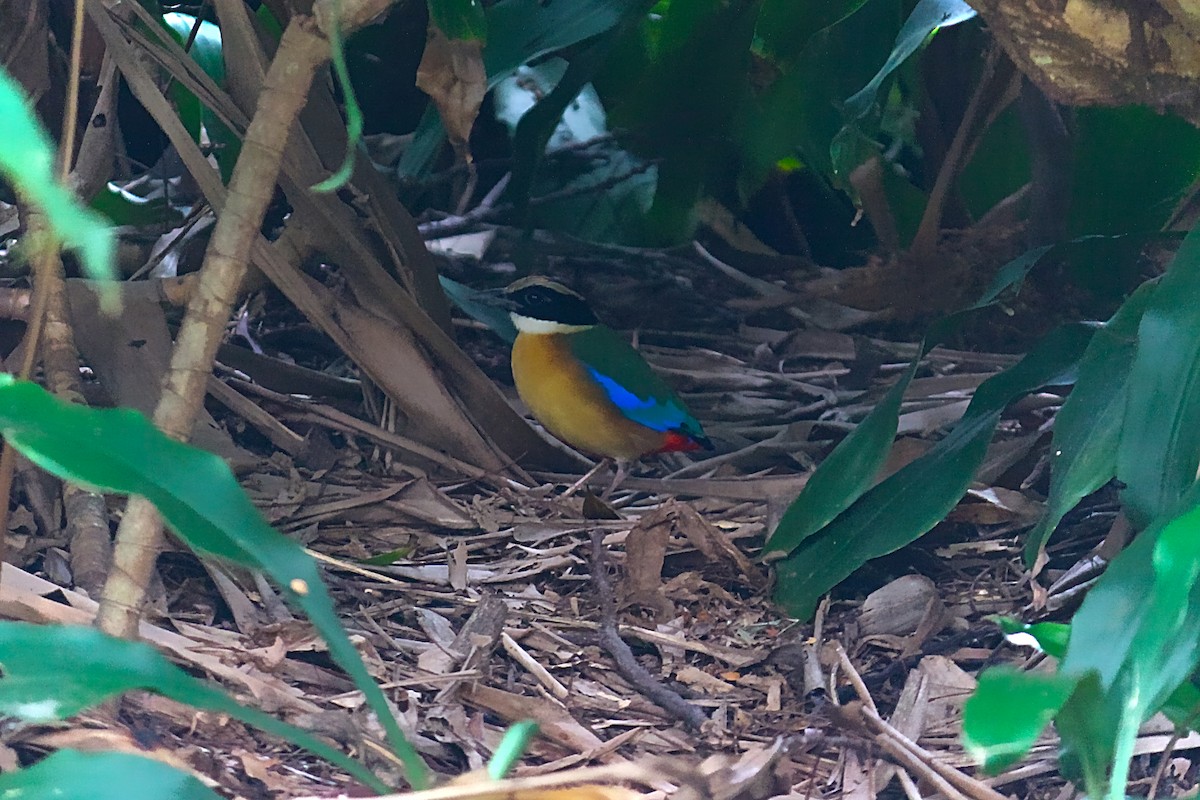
{"points": [[914, 499], [1137, 635], [784, 27], [925, 19], [1007, 713], [476, 306], [1160, 442], [207, 52], [119, 450], [520, 31], [1183, 706], [459, 19], [801, 110], [73, 775], [606, 191], [206, 48], [682, 109], [1087, 430], [845, 473], [1049, 637], [999, 165], [27, 161], [851, 468], [51, 672], [1110, 149]]}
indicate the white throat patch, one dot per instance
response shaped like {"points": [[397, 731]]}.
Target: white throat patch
{"points": [[526, 324]]}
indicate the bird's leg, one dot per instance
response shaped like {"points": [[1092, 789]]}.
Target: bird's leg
{"points": [[602, 464], [618, 478]]}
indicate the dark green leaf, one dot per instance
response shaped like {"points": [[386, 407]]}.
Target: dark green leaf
{"points": [[851, 468], [206, 48], [1110, 149], [927, 17], [51, 672], [913, 500], [1087, 430], [845, 473], [1137, 636], [1160, 441], [72, 775], [1008, 712], [488, 313], [207, 52], [784, 27], [119, 450], [519, 31], [800, 110], [459, 19], [1183, 706]]}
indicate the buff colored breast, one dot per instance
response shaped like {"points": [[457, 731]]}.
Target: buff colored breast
{"points": [[570, 404]]}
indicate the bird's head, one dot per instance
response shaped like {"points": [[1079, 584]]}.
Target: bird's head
{"points": [[539, 305]]}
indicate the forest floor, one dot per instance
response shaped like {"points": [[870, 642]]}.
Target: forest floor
{"points": [[476, 607]]}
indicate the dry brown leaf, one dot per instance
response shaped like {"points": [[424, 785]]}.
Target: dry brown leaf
{"points": [[452, 74], [645, 554]]}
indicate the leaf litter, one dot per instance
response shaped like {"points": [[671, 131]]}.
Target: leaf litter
{"points": [[474, 600]]}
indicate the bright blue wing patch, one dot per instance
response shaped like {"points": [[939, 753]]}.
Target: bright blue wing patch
{"points": [[649, 411]]}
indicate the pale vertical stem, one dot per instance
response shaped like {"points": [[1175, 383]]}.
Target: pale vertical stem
{"points": [[302, 49]]}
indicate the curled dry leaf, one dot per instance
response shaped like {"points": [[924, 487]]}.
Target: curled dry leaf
{"points": [[452, 74]]}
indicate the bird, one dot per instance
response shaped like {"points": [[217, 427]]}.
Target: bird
{"points": [[587, 385]]}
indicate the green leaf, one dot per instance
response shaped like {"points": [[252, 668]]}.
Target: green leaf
{"points": [[1087, 430], [1160, 442], [801, 109], [511, 749], [845, 473], [1183, 706], [1051, 637], [207, 52], [72, 775], [459, 19], [852, 466], [681, 110], [1137, 635], [119, 450], [1007, 713], [206, 48], [785, 27], [27, 161], [925, 19], [476, 305], [520, 31], [1110, 150], [913, 500], [517, 94], [51, 672]]}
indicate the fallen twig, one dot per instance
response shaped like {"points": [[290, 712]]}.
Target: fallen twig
{"points": [[627, 666]]}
